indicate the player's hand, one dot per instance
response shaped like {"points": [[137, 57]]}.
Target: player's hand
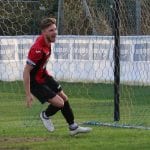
{"points": [[29, 100]]}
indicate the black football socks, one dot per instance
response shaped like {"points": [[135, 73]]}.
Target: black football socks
{"points": [[51, 110], [68, 115], [66, 111]]}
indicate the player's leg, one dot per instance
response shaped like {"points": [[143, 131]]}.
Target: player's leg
{"points": [[55, 104], [66, 109], [69, 116], [44, 94]]}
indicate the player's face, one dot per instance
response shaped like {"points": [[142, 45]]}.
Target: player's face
{"points": [[50, 33]]}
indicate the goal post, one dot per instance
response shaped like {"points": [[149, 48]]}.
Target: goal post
{"points": [[116, 32]]}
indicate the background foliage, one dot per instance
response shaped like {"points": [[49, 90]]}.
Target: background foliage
{"points": [[23, 17]]}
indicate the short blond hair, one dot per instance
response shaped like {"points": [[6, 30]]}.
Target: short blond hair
{"points": [[46, 22]]}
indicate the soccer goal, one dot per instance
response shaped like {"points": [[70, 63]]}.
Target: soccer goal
{"points": [[101, 58]]}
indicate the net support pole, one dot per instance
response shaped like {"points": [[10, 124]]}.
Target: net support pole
{"points": [[138, 17], [116, 61], [88, 14], [60, 22]]}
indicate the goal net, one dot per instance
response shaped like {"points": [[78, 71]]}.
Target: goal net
{"points": [[82, 60]]}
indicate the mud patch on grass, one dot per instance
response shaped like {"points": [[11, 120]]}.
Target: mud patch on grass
{"points": [[16, 143], [13, 148], [22, 140]]}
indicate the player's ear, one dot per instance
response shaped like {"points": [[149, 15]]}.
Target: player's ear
{"points": [[43, 30]]}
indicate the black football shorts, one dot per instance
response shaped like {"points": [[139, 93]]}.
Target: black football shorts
{"points": [[46, 91]]}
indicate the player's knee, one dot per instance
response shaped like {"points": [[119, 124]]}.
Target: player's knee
{"points": [[60, 104], [57, 101], [63, 96]]}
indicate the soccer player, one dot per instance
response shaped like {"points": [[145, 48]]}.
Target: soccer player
{"points": [[42, 85]]}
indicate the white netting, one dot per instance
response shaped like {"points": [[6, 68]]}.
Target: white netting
{"points": [[87, 59]]}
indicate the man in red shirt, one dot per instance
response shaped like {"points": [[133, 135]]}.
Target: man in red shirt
{"points": [[42, 85]]}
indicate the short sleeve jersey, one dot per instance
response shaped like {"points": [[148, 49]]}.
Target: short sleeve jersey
{"points": [[38, 57]]}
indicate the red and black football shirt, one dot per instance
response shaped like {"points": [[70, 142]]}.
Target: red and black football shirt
{"points": [[38, 57]]}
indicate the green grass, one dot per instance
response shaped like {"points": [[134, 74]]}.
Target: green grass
{"points": [[21, 128]]}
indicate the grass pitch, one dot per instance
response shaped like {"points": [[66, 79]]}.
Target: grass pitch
{"points": [[21, 128]]}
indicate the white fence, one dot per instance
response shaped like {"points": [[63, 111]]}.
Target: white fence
{"points": [[81, 58]]}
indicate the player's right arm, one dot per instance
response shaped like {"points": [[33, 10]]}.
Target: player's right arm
{"points": [[34, 56], [26, 78]]}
